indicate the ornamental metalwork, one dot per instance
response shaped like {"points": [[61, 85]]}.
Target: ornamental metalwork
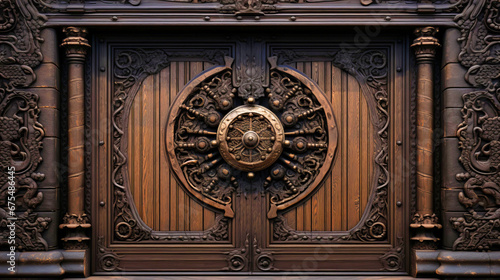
{"points": [[250, 138]]}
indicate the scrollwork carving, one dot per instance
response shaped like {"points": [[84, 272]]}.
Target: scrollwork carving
{"points": [[263, 258], [21, 142], [237, 259], [107, 259], [393, 260]]}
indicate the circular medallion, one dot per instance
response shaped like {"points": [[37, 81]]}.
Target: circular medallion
{"points": [[250, 138], [287, 147]]}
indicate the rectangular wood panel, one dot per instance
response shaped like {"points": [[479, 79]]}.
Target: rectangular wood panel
{"points": [[340, 202], [161, 202]]}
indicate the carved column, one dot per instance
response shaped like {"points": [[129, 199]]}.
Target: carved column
{"points": [[75, 222], [425, 222]]}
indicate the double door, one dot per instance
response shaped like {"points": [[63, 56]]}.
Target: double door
{"points": [[254, 153]]}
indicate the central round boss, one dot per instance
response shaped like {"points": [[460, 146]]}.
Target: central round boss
{"points": [[250, 138]]}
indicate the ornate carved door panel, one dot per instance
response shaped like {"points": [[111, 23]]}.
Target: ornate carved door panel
{"points": [[249, 154]]}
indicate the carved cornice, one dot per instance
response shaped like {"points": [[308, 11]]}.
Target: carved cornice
{"points": [[251, 9]]}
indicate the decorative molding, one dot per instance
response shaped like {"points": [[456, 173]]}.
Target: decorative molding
{"points": [[452, 264], [424, 6], [21, 134], [46, 265], [479, 141]]}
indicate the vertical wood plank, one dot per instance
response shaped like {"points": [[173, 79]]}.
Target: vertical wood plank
{"points": [[147, 149], [173, 186], [156, 154], [195, 209], [336, 174], [327, 80], [180, 192], [353, 179], [317, 200], [301, 207], [165, 175]]}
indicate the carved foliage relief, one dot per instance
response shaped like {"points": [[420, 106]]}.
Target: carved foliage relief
{"points": [[478, 134], [21, 134]]}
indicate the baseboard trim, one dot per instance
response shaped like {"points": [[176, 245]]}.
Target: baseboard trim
{"points": [[444, 263], [56, 263]]}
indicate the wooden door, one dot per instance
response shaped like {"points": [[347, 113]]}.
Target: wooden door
{"points": [[255, 153]]}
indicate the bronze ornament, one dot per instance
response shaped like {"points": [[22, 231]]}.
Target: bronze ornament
{"points": [[250, 138]]}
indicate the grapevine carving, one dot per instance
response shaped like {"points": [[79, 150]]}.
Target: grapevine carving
{"points": [[478, 136], [21, 134], [219, 145]]}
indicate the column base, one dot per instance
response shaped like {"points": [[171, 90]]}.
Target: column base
{"points": [[46, 264], [456, 264]]}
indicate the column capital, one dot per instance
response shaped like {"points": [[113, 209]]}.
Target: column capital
{"points": [[425, 44], [75, 43]]}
